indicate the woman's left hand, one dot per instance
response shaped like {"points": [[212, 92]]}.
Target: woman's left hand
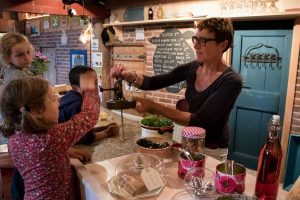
{"points": [[144, 105]]}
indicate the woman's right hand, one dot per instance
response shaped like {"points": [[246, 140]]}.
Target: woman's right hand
{"points": [[119, 70]]}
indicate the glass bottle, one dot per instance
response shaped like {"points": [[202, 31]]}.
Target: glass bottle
{"points": [[269, 163], [150, 13]]}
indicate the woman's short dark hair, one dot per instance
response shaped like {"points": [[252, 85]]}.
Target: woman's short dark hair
{"points": [[222, 27]]}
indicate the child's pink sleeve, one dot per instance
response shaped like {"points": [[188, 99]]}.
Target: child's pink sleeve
{"points": [[68, 133]]}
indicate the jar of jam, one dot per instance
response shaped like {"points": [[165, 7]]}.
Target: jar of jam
{"points": [[193, 139]]}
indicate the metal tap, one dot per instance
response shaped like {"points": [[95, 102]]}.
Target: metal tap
{"points": [[118, 102]]}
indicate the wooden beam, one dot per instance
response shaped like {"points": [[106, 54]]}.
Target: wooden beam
{"points": [[55, 7], [7, 25]]}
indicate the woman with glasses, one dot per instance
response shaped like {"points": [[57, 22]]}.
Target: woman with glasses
{"points": [[212, 86]]}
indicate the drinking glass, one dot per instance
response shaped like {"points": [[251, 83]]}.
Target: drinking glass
{"points": [[199, 182]]}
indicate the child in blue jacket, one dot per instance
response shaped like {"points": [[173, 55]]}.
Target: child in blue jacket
{"points": [[70, 104]]}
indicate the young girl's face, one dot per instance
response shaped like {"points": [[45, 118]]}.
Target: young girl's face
{"points": [[51, 112], [21, 55]]}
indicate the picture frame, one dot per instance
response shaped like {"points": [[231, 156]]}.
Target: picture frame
{"points": [[74, 21], [46, 24], [78, 57], [55, 22], [35, 28], [64, 21]]}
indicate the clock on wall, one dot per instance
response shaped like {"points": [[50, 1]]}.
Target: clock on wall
{"points": [[139, 34]]}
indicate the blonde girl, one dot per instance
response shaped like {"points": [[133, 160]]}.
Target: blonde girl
{"points": [[16, 54], [37, 143]]}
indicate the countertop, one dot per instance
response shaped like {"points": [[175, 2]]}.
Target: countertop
{"points": [[114, 146]]}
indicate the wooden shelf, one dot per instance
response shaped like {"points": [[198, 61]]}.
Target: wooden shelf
{"points": [[147, 22], [275, 16]]}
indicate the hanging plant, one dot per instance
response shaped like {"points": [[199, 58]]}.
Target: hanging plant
{"points": [[39, 63]]}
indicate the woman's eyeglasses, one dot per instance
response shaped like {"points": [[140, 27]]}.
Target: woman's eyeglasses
{"points": [[202, 41]]}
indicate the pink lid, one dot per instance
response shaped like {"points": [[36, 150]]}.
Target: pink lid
{"points": [[193, 132]]}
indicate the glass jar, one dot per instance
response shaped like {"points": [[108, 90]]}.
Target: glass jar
{"points": [[193, 139]]}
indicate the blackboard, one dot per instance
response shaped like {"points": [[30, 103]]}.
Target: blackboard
{"points": [[172, 50]]}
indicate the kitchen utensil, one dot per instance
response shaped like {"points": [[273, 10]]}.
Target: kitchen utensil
{"points": [[118, 101]]}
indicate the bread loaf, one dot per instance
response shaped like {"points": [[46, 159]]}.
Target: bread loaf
{"points": [[131, 184]]}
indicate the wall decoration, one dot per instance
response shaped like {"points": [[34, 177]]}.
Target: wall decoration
{"points": [[46, 24], [54, 22], [261, 55], [63, 21], [172, 50], [96, 59], [78, 57], [95, 44], [74, 21], [27, 28], [139, 34], [35, 28]]}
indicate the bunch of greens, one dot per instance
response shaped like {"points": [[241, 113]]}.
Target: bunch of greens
{"points": [[155, 121]]}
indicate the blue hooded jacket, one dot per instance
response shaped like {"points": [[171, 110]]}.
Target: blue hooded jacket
{"points": [[70, 105]]}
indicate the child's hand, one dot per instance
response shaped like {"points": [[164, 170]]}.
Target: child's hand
{"points": [[80, 154], [88, 81]]}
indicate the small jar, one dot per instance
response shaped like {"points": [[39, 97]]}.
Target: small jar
{"points": [[193, 139]]}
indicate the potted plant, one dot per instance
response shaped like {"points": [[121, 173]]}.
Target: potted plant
{"points": [[39, 63]]}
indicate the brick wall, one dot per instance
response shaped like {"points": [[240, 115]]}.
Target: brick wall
{"points": [[295, 128], [162, 95], [62, 61]]}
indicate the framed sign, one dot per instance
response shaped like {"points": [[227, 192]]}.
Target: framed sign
{"points": [[78, 57], [46, 24], [54, 22], [35, 28]]}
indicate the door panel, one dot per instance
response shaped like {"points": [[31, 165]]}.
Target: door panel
{"points": [[50, 75], [262, 58]]}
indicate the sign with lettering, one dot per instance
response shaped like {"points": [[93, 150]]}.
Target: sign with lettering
{"points": [[172, 50]]}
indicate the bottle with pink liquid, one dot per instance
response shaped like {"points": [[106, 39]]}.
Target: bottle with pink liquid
{"points": [[268, 169]]}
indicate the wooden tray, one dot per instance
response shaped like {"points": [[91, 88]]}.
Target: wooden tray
{"points": [[292, 169]]}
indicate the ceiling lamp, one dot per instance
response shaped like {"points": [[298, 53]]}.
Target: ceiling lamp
{"points": [[86, 34]]}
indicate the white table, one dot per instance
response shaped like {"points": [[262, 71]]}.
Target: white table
{"points": [[94, 178]]}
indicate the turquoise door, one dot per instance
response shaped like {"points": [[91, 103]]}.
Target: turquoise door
{"points": [[262, 58]]}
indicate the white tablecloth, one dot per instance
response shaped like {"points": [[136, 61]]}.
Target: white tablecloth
{"points": [[94, 179]]}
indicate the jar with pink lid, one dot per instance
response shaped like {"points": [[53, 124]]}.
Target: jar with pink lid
{"points": [[193, 139]]}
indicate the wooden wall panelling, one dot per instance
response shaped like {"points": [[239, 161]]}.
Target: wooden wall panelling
{"points": [[106, 64], [133, 57], [7, 25], [290, 97]]}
